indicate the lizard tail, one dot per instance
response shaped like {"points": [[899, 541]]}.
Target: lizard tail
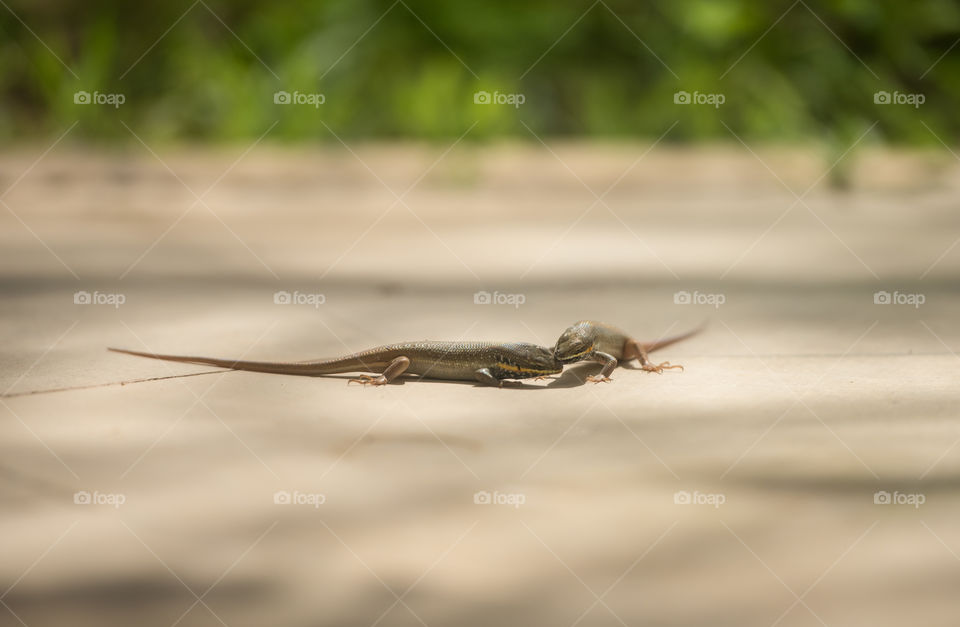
{"points": [[307, 369], [667, 341]]}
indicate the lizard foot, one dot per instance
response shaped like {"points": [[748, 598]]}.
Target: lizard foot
{"points": [[598, 378], [366, 379], [659, 368]]}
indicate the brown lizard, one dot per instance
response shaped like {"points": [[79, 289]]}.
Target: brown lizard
{"points": [[486, 362], [596, 341]]}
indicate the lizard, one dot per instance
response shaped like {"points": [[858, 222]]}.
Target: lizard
{"points": [[487, 362], [608, 345]]}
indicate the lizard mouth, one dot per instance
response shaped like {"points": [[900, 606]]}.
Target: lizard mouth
{"points": [[574, 356]]}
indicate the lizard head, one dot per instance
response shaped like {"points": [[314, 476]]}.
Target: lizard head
{"points": [[527, 361], [575, 343]]}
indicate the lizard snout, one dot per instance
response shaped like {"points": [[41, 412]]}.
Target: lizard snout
{"points": [[571, 348]]}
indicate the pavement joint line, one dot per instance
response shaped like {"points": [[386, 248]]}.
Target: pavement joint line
{"points": [[688, 356], [110, 384], [40, 358], [200, 399]]}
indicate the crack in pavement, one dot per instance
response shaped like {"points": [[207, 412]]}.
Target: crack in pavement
{"points": [[111, 383]]}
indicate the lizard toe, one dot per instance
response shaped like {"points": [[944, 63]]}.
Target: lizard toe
{"points": [[598, 378]]}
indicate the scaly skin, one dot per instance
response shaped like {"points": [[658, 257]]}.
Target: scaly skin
{"points": [[488, 362], [596, 341]]}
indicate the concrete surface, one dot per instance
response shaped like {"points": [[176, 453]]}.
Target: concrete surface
{"points": [[802, 402]]}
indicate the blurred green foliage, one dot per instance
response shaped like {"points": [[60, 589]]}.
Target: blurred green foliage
{"points": [[789, 71]]}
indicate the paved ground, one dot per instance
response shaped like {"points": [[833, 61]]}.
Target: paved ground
{"points": [[803, 403]]}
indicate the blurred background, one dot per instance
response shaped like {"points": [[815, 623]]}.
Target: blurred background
{"points": [[296, 180], [795, 72]]}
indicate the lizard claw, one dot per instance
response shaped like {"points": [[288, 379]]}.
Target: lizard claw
{"points": [[366, 379], [598, 378], [659, 368]]}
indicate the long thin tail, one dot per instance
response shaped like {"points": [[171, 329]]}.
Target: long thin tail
{"points": [[304, 369], [667, 341]]}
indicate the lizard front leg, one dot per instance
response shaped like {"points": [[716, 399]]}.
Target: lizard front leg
{"points": [[609, 365], [483, 375], [391, 372]]}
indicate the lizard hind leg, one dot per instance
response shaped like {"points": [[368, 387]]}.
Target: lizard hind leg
{"points": [[659, 368], [391, 372]]}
